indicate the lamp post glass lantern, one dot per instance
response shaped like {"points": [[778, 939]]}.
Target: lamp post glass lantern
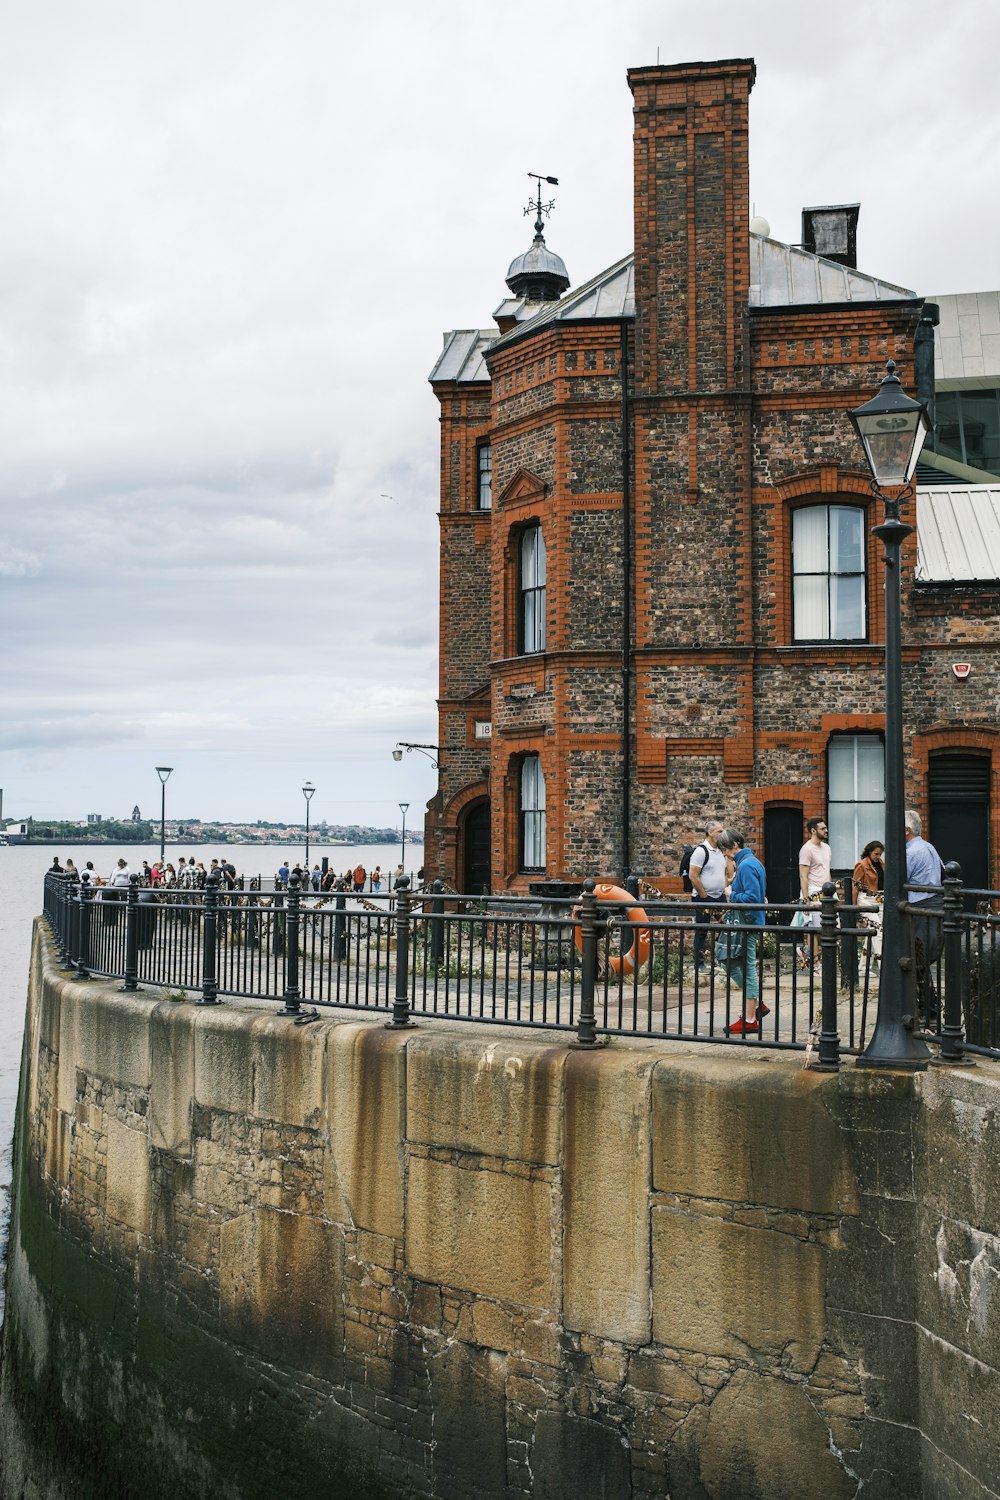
{"points": [[402, 843], [307, 792], [892, 428], [163, 772]]}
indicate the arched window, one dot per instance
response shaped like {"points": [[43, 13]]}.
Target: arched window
{"points": [[532, 814], [531, 591], [828, 573]]}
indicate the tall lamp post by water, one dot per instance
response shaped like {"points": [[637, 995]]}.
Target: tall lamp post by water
{"points": [[892, 428], [402, 843], [307, 792], [163, 772]]}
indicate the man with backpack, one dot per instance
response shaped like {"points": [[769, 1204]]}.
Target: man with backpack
{"points": [[706, 873]]}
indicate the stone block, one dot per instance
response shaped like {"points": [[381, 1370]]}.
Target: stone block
{"points": [[577, 1456], [470, 1441], [957, 1281], [959, 1166], [484, 1232], [112, 1035], [223, 1060], [960, 1407], [280, 1282], [474, 1093], [725, 1289], [288, 1071], [365, 1102], [760, 1439], [606, 1193], [761, 1132], [663, 1377], [127, 1196], [171, 1095]]}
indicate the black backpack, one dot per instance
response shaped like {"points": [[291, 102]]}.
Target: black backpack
{"points": [[685, 864]]}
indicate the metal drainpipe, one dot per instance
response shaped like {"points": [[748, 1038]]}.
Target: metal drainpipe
{"points": [[626, 610]]}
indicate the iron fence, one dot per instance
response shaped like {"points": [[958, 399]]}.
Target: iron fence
{"points": [[773, 976]]}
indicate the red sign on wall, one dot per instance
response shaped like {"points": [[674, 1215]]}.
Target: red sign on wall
{"points": [[961, 669]]}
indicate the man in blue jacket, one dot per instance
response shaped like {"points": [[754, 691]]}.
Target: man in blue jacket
{"points": [[738, 951]]}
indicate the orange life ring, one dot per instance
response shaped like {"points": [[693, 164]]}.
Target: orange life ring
{"points": [[638, 953]]}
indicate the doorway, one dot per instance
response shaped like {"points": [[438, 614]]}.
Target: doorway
{"points": [[958, 798], [782, 842], [475, 871]]}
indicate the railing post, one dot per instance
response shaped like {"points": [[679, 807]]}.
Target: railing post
{"points": [[437, 924], [828, 1052], [66, 921], [586, 1026], [292, 997], [952, 1028], [82, 956], [132, 935], [340, 928], [210, 942], [401, 1000]]}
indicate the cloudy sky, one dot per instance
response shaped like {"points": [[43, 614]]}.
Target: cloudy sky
{"points": [[231, 236]]}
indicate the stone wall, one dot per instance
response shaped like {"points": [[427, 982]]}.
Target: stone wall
{"points": [[249, 1257]]}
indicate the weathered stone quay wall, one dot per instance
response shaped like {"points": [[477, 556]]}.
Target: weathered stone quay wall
{"points": [[250, 1258]]}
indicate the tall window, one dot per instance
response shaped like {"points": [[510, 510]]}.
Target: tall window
{"points": [[828, 573], [855, 795], [532, 814], [484, 477], [531, 613], [968, 427]]}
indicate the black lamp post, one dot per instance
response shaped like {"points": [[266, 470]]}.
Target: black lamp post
{"points": [[163, 772], [402, 843], [307, 792], [892, 428]]}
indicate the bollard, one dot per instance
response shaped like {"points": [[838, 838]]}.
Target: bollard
{"points": [[401, 1000], [210, 942], [952, 1029], [132, 935], [828, 1051], [437, 925], [82, 956], [586, 1026], [340, 928], [292, 996]]}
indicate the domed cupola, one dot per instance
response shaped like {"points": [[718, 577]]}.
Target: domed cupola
{"points": [[538, 275]]}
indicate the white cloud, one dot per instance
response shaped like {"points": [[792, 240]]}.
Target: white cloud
{"points": [[233, 235]]}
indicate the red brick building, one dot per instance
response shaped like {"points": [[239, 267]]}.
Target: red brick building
{"points": [[660, 597]]}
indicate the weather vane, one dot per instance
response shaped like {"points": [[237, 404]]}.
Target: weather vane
{"points": [[535, 205]]}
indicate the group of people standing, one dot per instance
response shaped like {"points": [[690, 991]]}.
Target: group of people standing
{"points": [[351, 880], [725, 873]]}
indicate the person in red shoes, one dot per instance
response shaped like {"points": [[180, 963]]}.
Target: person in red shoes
{"points": [[739, 947]]}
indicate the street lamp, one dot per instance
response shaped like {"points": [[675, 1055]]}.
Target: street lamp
{"points": [[402, 843], [307, 792], [163, 772], [892, 428], [406, 745]]}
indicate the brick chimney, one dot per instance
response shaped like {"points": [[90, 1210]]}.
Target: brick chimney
{"points": [[692, 219]]}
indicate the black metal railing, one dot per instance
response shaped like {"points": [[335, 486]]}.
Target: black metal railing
{"points": [[775, 976]]}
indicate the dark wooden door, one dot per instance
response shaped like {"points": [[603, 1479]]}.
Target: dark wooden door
{"points": [[958, 796], [476, 850], [782, 842]]}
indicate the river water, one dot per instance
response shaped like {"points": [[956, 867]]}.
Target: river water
{"points": [[22, 872]]}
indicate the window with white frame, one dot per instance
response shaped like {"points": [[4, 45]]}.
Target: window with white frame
{"points": [[531, 591], [855, 782], [484, 477], [828, 573], [532, 815]]}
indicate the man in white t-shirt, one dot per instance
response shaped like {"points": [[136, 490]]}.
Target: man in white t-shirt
{"points": [[707, 873], [815, 858]]}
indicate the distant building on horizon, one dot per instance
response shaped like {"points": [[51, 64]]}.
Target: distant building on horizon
{"points": [[660, 598]]}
